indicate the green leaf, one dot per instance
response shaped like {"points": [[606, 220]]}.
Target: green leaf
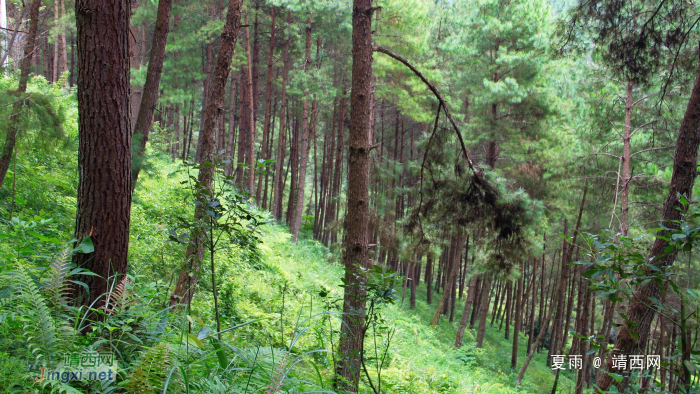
{"points": [[54, 241], [196, 340], [220, 355], [86, 246]]}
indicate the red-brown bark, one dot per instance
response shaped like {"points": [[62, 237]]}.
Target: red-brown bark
{"points": [[104, 147]]}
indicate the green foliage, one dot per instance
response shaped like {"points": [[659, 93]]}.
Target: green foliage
{"points": [[151, 371]]}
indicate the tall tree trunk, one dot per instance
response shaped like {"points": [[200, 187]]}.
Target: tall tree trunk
{"points": [[429, 280], [559, 299], [357, 221], [304, 145], [189, 273], [243, 133], [104, 147], [569, 309], [684, 172], [582, 347], [477, 301], [509, 306], [626, 158], [453, 254], [151, 87], [250, 162], [518, 319], [281, 143], [293, 169], [467, 312], [64, 50], [267, 201], [268, 105], [56, 43], [335, 196], [176, 134], [232, 122], [485, 289], [533, 304], [11, 137]]}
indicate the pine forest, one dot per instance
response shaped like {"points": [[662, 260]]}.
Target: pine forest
{"points": [[349, 196]]}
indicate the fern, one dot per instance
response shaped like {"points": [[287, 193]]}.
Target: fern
{"points": [[57, 287], [41, 330], [119, 297], [150, 372], [277, 379]]}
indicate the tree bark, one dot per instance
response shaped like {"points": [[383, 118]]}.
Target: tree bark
{"points": [[151, 87], [357, 221], [25, 67], [104, 147], [189, 273], [206, 66]]}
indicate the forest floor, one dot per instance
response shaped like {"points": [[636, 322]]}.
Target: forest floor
{"points": [[423, 359]]}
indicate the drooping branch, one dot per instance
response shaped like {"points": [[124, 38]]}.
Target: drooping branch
{"points": [[437, 95]]}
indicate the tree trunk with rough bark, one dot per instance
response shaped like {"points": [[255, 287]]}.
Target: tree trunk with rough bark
{"points": [[357, 220], [104, 147]]}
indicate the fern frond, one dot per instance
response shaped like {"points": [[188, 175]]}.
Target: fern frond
{"points": [[150, 371], [41, 329], [277, 379], [119, 297], [57, 288]]}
